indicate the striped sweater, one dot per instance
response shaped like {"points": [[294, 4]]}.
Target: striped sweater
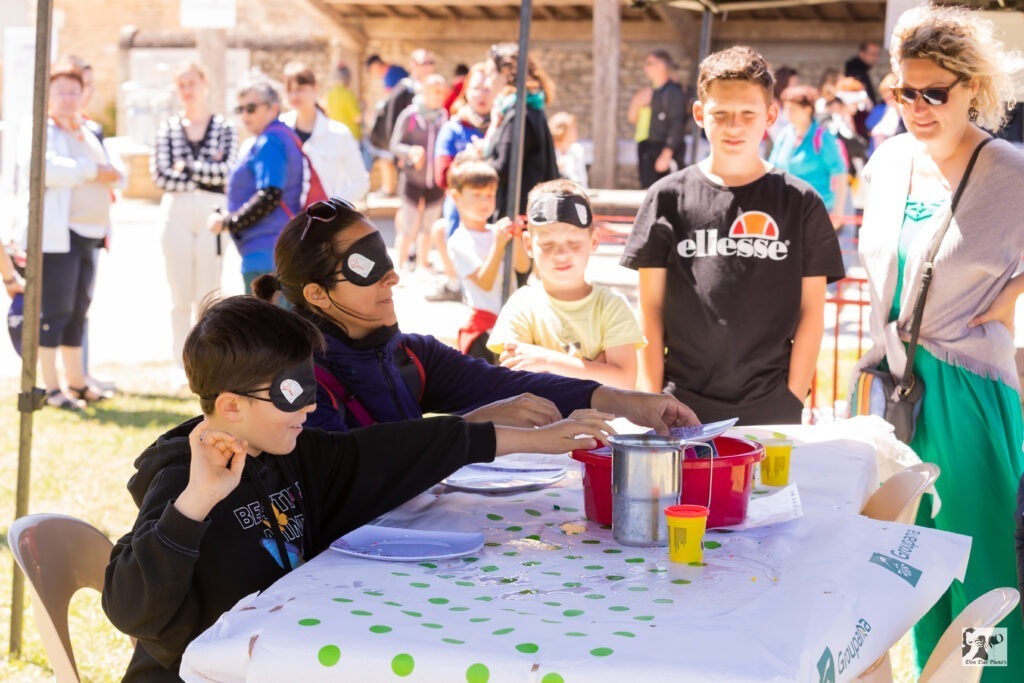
{"points": [[174, 167]]}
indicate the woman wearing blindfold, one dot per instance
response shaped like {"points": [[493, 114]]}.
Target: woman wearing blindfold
{"points": [[953, 83], [333, 267]]}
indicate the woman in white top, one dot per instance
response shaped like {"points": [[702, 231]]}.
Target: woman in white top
{"points": [[193, 154], [76, 219], [330, 146]]}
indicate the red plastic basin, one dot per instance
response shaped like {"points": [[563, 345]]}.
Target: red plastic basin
{"points": [[731, 481]]}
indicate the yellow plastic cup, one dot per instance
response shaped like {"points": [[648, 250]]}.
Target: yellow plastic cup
{"points": [[686, 524], [775, 466]]}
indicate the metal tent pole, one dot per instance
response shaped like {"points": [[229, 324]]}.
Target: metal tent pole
{"points": [[515, 181], [30, 398], [704, 49]]}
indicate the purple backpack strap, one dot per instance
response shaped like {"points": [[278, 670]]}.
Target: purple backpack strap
{"points": [[336, 391]]}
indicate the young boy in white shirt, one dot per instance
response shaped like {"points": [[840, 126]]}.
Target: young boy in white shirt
{"points": [[566, 325], [477, 250]]}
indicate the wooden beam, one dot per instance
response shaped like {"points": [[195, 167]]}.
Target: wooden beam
{"points": [[486, 30], [476, 3], [607, 43], [754, 5], [782, 31], [350, 32]]}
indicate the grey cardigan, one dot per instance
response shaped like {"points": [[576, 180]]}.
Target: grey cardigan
{"points": [[981, 251]]}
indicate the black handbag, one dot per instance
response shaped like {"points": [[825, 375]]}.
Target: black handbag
{"points": [[878, 391]]}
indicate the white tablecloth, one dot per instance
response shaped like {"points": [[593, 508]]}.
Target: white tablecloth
{"points": [[551, 598]]}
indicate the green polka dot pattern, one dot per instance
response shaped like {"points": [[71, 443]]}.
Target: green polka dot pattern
{"points": [[477, 673], [403, 665], [329, 655], [548, 587]]}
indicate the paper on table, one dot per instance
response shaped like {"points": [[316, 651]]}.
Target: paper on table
{"points": [[781, 505]]}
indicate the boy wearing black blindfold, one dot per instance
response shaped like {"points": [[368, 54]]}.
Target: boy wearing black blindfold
{"points": [[232, 500], [567, 325]]}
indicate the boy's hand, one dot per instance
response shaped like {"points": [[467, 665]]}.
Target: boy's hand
{"points": [[561, 437], [521, 356], [216, 468], [505, 230], [524, 410]]}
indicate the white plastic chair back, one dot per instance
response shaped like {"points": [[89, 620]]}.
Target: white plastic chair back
{"points": [[59, 555], [945, 663], [898, 498]]}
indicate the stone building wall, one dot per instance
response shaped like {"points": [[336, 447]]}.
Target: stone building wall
{"points": [[279, 31]]}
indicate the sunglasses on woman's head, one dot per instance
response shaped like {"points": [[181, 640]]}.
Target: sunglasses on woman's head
{"points": [[324, 211], [249, 108], [931, 96]]}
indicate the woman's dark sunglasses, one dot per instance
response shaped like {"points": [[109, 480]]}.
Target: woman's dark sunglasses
{"points": [[931, 96], [325, 211], [249, 108]]}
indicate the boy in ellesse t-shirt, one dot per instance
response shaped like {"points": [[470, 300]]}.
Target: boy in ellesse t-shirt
{"points": [[734, 257]]}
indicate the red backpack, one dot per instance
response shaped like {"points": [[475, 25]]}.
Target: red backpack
{"points": [[312, 189]]}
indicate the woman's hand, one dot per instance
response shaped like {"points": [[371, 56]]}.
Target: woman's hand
{"points": [[659, 411], [215, 223], [14, 285], [664, 161], [417, 156], [1003, 307], [215, 470], [524, 410], [108, 175]]}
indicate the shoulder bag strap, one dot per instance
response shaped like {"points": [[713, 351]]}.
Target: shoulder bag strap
{"points": [[336, 390], [907, 382]]}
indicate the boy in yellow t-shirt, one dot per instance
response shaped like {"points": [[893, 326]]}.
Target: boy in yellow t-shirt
{"points": [[567, 325]]}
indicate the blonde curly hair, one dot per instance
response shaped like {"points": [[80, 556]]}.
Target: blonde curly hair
{"points": [[961, 40]]}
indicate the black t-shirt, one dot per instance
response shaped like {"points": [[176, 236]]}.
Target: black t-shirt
{"points": [[735, 259]]}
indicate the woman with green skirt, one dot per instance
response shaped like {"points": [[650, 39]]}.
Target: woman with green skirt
{"points": [[953, 82]]}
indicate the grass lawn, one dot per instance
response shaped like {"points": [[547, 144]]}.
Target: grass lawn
{"points": [[80, 466]]}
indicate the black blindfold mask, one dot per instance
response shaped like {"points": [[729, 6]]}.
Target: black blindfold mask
{"points": [[291, 390], [560, 208], [366, 261]]}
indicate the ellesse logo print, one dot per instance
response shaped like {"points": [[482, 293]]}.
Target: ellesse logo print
{"points": [[754, 234]]}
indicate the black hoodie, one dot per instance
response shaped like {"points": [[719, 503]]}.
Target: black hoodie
{"points": [[171, 577]]}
